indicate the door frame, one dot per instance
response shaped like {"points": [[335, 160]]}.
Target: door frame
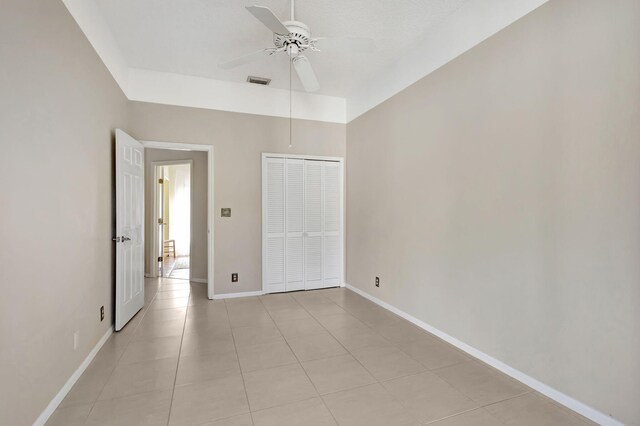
{"points": [[156, 214], [343, 218], [176, 146]]}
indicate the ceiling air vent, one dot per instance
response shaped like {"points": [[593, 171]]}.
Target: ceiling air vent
{"points": [[259, 80]]}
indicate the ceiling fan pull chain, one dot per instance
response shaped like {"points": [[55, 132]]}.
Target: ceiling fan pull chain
{"points": [[290, 97]]}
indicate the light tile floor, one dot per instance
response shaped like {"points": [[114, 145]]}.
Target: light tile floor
{"points": [[323, 357]]}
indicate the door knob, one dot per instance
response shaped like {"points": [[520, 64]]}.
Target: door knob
{"points": [[125, 239], [116, 239]]}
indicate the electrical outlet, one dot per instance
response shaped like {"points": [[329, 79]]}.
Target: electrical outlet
{"points": [[234, 277], [76, 340], [377, 281], [101, 313]]}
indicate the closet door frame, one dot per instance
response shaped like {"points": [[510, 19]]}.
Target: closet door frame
{"points": [[285, 157]]}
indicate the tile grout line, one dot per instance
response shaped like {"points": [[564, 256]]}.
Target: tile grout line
{"points": [[504, 399], [175, 378], [431, 422], [244, 383]]}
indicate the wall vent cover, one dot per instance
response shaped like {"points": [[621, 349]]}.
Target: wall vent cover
{"points": [[259, 80]]}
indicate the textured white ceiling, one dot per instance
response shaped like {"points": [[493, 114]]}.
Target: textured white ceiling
{"points": [[191, 37]]}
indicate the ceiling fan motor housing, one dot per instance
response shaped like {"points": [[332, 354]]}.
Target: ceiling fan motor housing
{"points": [[299, 34]]}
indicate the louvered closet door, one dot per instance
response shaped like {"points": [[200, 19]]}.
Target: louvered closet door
{"points": [[295, 225], [331, 244], [313, 174], [302, 208], [274, 222]]}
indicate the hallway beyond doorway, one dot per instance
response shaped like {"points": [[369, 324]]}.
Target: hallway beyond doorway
{"points": [[173, 216]]}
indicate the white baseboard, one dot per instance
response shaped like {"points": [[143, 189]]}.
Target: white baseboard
{"points": [[199, 280], [147, 275], [561, 398], [234, 295], [44, 416]]}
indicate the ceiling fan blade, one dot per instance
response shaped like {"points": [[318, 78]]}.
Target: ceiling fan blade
{"points": [[266, 16], [344, 44], [306, 74], [245, 59]]}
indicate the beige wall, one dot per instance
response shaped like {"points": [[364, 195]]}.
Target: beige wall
{"points": [[198, 205], [238, 141], [499, 200], [59, 107]]}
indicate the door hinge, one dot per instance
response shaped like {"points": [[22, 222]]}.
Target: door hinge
{"points": [[160, 221], [160, 181], [160, 259]]}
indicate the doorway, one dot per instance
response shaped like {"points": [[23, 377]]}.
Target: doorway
{"points": [[201, 268], [173, 210]]}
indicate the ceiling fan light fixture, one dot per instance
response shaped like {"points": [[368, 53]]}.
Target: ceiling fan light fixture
{"points": [[293, 38], [263, 81]]}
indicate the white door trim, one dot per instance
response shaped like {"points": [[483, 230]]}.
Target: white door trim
{"points": [[210, 204], [156, 214], [340, 160]]}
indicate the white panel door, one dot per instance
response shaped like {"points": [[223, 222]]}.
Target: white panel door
{"points": [[129, 228], [313, 183], [274, 223], [295, 225], [332, 235]]}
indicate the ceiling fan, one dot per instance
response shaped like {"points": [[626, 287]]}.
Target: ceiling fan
{"points": [[294, 37]]}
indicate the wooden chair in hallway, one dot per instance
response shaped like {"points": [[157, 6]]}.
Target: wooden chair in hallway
{"points": [[169, 247]]}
